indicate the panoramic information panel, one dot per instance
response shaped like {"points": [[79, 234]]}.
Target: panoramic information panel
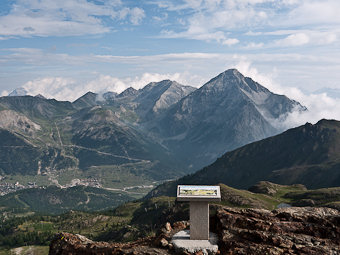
{"points": [[198, 193]]}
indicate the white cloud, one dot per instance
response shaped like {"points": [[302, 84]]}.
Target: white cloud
{"points": [[199, 34], [214, 20], [297, 39], [311, 12], [4, 93], [231, 41], [136, 15], [320, 106], [223, 20], [307, 37], [106, 83], [63, 18], [67, 89], [51, 87], [253, 45], [38, 57]]}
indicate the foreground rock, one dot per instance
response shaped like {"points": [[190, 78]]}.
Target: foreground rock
{"points": [[295, 230], [65, 244]]}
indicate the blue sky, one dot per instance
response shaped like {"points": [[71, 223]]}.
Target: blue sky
{"points": [[64, 48]]}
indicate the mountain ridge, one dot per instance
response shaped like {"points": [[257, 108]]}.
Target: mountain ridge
{"points": [[220, 116], [308, 155]]}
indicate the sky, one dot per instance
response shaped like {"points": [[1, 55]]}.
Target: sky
{"points": [[62, 49]]}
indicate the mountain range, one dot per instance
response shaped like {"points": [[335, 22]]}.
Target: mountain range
{"points": [[159, 132], [308, 155]]}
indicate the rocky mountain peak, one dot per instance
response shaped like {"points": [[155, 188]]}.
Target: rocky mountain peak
{"points": [[40, 96], [232, 72], [166, 85], [87, 100], [162, 83], [18, 92], [156, 87], [128, 92], [161, 95], [88, 95], [233, 80], [109, 95]]}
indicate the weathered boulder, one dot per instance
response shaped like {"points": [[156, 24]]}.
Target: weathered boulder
{"points": [[66, 244], [295, 230], [164, 235]]}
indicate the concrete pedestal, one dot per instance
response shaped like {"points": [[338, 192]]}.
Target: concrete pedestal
{"points": [[199, 220], [199, 197]]}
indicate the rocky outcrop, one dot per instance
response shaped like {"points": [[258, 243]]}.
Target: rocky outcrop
{"points": [[65, 244], [269, 188], [166, 233], [11, 120], [292, 230]]}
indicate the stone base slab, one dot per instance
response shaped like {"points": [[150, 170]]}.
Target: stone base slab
{"points": [[181, 242]]}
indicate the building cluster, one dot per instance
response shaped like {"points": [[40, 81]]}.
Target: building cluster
{"points": [[6, 187], [90, 182]]}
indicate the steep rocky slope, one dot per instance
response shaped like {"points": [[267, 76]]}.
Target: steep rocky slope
{"points": [[37, 107], [225, 113]]}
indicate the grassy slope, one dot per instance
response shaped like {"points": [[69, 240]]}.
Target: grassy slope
{"points": [[53, 200], [127, 222], [329, 197]]}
